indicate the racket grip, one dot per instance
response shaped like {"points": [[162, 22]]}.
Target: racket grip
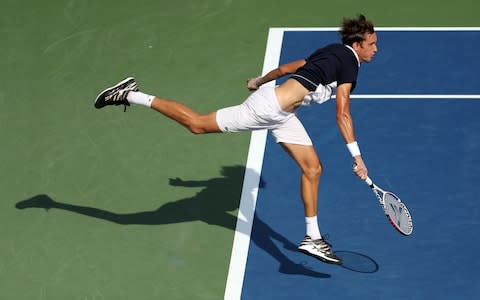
{"points": [[369, 181]]}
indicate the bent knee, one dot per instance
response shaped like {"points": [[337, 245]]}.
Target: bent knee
{"points": [[199, 128], [203, 124], [193, 127], [313, 171], [196, 130]]}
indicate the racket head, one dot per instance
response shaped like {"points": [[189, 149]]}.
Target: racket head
{"points": [[397, 213]]}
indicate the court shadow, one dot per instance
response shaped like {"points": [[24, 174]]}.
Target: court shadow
{"points": [[211, 205]]}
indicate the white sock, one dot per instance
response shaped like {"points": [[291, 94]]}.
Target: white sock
{"points": [[312, 228], [140, 98]]}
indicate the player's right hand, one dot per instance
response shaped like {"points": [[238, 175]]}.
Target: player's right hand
{"points": [[359, 168]]}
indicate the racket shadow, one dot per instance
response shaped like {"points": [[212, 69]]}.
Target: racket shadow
{"points": [[357, 262]]}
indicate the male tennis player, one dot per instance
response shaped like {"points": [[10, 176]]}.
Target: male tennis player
{"points": [[274, 108]]}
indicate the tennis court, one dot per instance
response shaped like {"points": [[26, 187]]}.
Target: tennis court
{"points": [[417, 102], [102, 204]]}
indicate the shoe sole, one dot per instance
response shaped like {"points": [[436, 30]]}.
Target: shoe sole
{"points": [[321, 258], [100, 105]]}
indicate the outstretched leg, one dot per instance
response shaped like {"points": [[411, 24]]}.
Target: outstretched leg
{"points": [[193, 121], [126, 93]]}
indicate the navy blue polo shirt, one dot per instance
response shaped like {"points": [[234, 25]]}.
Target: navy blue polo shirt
{"points": [[335, 62]]}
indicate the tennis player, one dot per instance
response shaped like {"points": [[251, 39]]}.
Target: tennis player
{"points": [[333, 67]]}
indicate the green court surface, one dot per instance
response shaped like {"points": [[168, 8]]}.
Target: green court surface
{"points": [[130, 205]]}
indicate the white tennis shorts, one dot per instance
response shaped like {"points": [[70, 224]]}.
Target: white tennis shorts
{"points": [[262, 111]]}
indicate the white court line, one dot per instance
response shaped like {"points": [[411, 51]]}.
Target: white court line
{"points": [[283, 29], [414, 96], [241, 241]]}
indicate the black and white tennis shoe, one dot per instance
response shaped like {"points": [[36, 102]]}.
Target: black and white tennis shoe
{"points": [[117, 94], [319, 249]]}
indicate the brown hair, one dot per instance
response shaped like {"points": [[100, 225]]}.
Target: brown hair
{"points": [[354, 30]]}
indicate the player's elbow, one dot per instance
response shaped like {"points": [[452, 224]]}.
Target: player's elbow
{"points": [[282, 71]]}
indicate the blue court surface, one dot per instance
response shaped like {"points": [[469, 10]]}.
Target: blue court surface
{"points": [[419, 133]]}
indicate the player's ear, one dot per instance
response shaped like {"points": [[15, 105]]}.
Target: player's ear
{"points": [[356, 45]]}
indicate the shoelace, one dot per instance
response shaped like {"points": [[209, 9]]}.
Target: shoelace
{"points": [[118, 99], [323, 244], [125, 104]]}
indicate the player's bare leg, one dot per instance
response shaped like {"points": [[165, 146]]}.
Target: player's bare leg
{"points": [[126, 92], [193, 121], [307, 160], [313, 244]]}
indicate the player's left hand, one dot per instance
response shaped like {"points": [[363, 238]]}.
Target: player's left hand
{"points": [[252, 83]]}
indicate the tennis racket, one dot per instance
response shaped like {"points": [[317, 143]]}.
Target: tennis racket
{"points": [[397, 213]]}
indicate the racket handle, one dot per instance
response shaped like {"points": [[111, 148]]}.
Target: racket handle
{"points": [[369, 181]]}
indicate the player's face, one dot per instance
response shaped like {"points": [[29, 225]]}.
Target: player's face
{"points": [[367, 48]]}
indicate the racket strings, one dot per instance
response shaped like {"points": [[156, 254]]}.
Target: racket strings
{"points": [[391, 197], [398, 213]]}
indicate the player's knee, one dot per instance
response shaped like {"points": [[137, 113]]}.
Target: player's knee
{"points": [[194, 126], [202, 124], [313, 171], [196, 129]]}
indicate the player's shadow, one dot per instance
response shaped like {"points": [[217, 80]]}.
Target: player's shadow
{"points": [[264, 236], [211, 205]]}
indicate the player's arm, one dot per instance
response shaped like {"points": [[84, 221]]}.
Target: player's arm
{"points": [[345, 125], [285, 69]]}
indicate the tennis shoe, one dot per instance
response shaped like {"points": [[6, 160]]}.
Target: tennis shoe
{"points": [[319, 249], [117, 94]]}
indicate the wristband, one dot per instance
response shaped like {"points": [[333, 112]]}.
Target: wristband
{"points": [[353, 148]]}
